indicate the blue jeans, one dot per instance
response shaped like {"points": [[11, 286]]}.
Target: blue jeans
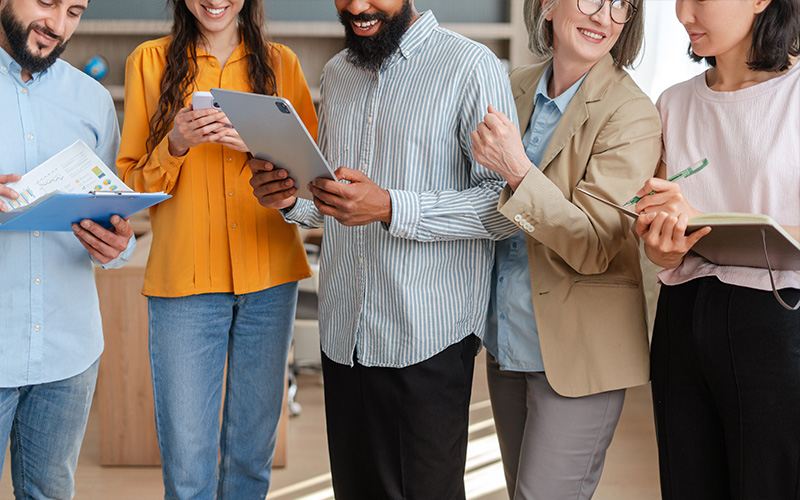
{"points": [[190, 340], [46, 424]]}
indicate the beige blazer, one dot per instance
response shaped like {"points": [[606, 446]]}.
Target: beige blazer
{"points": [[586, 281]]}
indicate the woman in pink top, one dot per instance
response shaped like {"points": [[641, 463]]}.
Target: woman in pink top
{"points": [[725, 360]]}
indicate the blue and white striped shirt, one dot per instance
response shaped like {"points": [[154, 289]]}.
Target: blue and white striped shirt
{"points": [[399, 294]]}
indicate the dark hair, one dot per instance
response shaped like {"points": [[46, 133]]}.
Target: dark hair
{"points": [[181, 71], [776, 36], [540, 31]]}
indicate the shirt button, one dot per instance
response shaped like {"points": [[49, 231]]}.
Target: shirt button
{"points": [[30, 137], [230, 160], [230, 193], [364, 166], [24, 91], [37, 328], [369, 120], [36, 234], [501, 279], [37, 281], [513, 245], [502, 316], [233, 225], [213, 63], [3, 68]]}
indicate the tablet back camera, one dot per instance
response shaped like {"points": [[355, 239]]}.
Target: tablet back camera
{"points": [[283, 108]]}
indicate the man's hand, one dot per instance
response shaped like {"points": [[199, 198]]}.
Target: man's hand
{"points": [[102, 244], [497, 146], [359, 203], [272, 186], [7, 191]]}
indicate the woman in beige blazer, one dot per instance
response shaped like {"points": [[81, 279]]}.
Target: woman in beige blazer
{"points": [[567, 329]]}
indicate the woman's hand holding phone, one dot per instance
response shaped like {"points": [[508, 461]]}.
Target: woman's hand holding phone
{"points": [[202, 122]]}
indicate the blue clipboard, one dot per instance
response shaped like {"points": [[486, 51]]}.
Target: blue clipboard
{"points": [[57, 211]]}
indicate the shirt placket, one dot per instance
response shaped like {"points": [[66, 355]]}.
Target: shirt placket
{"points": [[366, 165], [36, 240], [229, 177]]}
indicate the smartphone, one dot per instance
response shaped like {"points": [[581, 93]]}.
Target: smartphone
{"points": [[204, 100]]}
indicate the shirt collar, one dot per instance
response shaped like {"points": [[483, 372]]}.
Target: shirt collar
{"points": [[9, 66], [417, 34], [238, 53], [565, 98]]}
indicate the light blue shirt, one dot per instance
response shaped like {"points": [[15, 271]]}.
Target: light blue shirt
{"points": [[400, 293], [511, 333], [51, 327]]}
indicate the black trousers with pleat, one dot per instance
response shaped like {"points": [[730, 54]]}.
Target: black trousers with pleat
{"points": [[726, 392]]}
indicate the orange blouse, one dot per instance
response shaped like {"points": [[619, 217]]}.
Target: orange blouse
{"points": [[212, 235]]}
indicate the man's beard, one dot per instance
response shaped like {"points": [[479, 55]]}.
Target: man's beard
{"points": [[17, 36], [369, 52]]}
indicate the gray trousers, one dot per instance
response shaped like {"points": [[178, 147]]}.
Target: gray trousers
{"points": [[553, 447]]}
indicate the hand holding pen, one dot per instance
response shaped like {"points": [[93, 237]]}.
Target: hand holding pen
{"points": [[693, 169], [659, 195]]}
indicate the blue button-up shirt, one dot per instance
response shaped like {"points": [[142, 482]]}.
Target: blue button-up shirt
{"points": [[51, 327], [511, 334], [399, 294]]}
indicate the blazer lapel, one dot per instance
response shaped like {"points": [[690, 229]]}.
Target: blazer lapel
{"points": [[525, 91], [592, 89], [574, 117]]}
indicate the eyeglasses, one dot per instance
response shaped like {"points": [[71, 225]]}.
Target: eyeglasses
{"points": [[621, 10]]}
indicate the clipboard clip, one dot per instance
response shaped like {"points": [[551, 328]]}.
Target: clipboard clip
{"points": [[97, 193]]}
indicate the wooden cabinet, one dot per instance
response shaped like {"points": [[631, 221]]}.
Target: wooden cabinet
{"points": [[124, 391]]}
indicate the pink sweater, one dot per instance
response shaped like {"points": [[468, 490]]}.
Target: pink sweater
{"points": [[751, 138]]}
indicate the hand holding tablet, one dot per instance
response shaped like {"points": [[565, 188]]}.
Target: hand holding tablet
{"points": [[273, 132]]}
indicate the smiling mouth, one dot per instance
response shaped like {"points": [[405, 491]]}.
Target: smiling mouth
{"points": [[365, 25], [46, 39], [215, 12], [591, 34]]}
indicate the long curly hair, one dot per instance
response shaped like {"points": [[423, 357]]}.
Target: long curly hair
{"points": [[181, 68]]}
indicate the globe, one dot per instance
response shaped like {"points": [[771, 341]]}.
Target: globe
{"points": [[96, 67]]}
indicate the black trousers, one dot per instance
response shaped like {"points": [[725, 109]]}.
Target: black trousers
{"points": [[400, 433], [726, 392]]}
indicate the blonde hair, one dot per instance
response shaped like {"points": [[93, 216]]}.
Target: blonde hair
{"points": [[540, 32]]}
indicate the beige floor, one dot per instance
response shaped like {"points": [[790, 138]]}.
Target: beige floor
{"points": [[630, 472]]}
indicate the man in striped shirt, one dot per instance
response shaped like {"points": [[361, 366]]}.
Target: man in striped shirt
{"points": [[408, 251]]}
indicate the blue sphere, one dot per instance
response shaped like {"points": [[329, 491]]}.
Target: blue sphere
{"points": [[96, 67]]}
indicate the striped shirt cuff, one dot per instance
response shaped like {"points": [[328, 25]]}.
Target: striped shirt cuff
{"points": [[406, 213], [300, 213]]}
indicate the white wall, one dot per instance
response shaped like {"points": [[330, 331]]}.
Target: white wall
{"points": [[664, 61]]}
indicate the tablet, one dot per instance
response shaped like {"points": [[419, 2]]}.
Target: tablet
{"points": [[272, 131]]}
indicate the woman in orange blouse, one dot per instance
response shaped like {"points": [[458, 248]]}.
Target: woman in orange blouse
{"points": [[222, 275]]}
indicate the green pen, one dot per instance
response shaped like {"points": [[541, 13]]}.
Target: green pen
{"points": [[700, 165]]}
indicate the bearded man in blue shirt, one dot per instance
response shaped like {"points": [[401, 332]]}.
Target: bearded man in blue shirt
{"points": [[407, 252], [51, 338]]}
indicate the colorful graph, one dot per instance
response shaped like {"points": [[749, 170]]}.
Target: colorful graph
{"points": [[27, 196]]}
